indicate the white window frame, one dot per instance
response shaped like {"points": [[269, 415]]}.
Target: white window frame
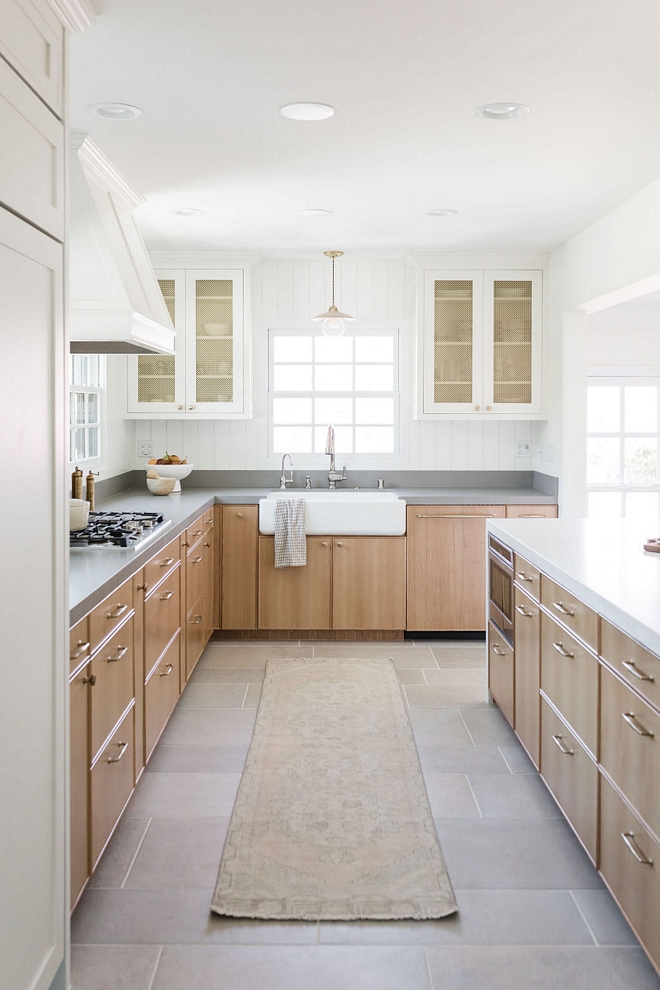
{"points": [[620, 378], [90, 463], [319, 461]]}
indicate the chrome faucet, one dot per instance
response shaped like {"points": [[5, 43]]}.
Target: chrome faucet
{"points": [[333, 476], [284, 481]]}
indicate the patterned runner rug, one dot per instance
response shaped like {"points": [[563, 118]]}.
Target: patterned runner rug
{"points": [[332, 820]]}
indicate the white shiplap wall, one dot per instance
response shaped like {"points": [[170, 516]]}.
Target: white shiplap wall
{"points": [[286, 292]]}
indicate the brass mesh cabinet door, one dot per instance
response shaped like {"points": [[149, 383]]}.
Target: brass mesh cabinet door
{"points": [[156, 382], [214, 342], [514, 351], [453, 341], [156, 372]]}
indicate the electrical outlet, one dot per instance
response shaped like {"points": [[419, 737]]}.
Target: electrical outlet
{"points": [[145, 448], [523, 449]]}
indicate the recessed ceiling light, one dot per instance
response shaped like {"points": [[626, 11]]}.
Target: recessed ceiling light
{"points": [[316, 213], [307, 111], [186, 211], [115, 111], [501, 111], [442, 213]]}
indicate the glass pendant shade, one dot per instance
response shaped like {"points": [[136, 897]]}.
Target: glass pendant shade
{"points": [[333, 322]]}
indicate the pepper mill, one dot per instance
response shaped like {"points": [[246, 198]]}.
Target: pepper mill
{"points": [[76, 483], [89, 489]]}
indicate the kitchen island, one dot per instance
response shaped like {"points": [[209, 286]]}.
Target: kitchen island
{"points": [[579, 681]]}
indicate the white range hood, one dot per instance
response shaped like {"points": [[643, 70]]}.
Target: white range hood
{"points": [[115, 303]]}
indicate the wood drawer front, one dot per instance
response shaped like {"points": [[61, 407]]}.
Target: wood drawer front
{"points": [[635, 885], [31, 155], [569, 610], [531, 511], [195, 567], [570, 682], [195, 634], [527, 679], [571, 775], [633, 662], [79, 645], [113, 685], [161, 565], [194, 533], [114, 610], [161, 694], [161, 619], [630, 746], [112, 781], [500, 672], [527, 576], [79, 791], [32, 40]]}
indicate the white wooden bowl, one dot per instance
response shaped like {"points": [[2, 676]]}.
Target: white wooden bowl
{"points": [[161, 486]]}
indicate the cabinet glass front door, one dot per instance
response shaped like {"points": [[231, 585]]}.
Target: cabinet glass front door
{"points": [[156, 372], [454, 307], [214, 340], [512, 341]]}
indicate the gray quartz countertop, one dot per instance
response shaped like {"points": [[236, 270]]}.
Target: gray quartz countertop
{"points": [[94, 574], [602, 562]]}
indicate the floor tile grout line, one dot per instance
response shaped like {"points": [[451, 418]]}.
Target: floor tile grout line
{"points": [[583, 916], [460, 715], [247, 688], [428, 966], [135, 855], [505, 760], [153, 975], [474, 796]]}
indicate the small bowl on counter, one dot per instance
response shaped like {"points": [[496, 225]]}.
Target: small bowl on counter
{"points": [[161, 486], [176, 471], [78, 514]]}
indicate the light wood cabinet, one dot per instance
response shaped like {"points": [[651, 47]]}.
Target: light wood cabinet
{"points": [[446, 566], [209, 575], [79, 781], [531, 511], [527, 676], [572, 776], [113, 687], [240, 550], [481, 344], [369, 582], [570, 611], [209, 374], [527, 577], [110, 614], [112, 779], [162, 618], [296, 597], [634, 663], [501, 672], [569, 678], [161, 693], [79, 645], [194, 635]]}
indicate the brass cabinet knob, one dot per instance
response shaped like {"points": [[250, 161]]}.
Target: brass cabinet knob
{"points": [[239, 515]]}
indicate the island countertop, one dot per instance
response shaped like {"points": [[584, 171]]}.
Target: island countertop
{"points": [[603, 562]]}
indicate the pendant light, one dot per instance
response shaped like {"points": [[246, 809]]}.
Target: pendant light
{"points": [[333, 320]]}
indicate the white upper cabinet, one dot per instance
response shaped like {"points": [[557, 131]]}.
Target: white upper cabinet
{"points": [[481, 344], [32, 41], [208, 376]]}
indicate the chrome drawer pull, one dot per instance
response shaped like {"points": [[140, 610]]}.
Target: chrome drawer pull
{"points": [[197, 560], [562, 608], [81, 649], [122, 749], [630, 719], [168, 670], [496, 650], [522, 611], [486, 515], [524, 577], [166, 597], [115, 615], [121, 652], [91, 680], [629, 839], [196, 620], [559, 743], [630, 666], [559, 647], [167, 561], [198, 533]]}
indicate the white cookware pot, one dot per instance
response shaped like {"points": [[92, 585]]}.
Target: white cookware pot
{"points": [[78, 514]]}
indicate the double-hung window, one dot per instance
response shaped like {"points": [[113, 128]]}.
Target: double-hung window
{"points": [[87, 383], [623, 428], [350, 381]]}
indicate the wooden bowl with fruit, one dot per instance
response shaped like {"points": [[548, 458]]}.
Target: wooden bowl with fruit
{"points": [[171, 466]]}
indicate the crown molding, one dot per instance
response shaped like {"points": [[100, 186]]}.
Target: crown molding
{"points": [[76, 15], [501, 260], [102, 168], [204, 259]]}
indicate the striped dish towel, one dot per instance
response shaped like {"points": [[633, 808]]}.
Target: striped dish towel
{"points": [[290, 540]]}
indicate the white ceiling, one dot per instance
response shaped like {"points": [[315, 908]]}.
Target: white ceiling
{"points": [[211, 76]]}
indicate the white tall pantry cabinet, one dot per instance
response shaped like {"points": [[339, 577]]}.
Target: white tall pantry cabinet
{"points": [[33, 520]]}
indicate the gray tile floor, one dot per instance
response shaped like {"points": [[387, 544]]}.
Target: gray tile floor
{"points": [[533, 913]]}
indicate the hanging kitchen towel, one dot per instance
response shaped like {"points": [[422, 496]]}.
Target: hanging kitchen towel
{"points": [[290, 540]]}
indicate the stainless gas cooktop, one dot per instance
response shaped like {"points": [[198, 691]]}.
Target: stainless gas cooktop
{"points": [[119, 530]]}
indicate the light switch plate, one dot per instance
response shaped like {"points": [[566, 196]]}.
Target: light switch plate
{"points": [[145, 448], [523, 449]]}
